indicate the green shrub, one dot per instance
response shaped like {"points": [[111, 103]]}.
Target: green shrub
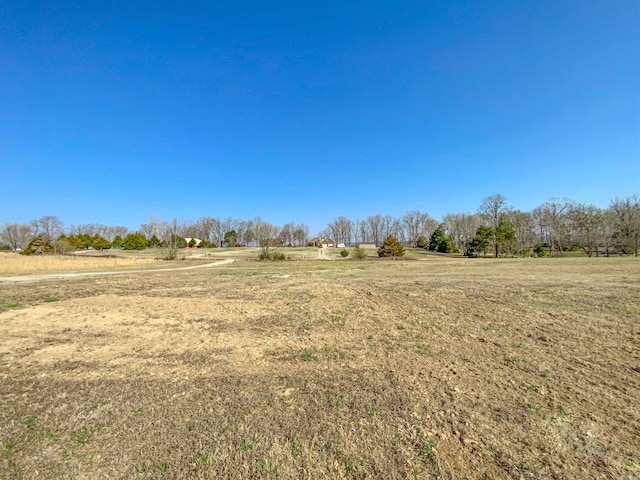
{"points": [[360, 253], [344, 252], [172, 254], [275, 256], [134, 241]]}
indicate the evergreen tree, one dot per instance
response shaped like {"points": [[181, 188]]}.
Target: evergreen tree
{"points": [[134, 241], [391, 247], [117, 241], [439, 242], [177, 241], [154, 242], [230, 238], [480, 242], [100, 243], [38, 246]]}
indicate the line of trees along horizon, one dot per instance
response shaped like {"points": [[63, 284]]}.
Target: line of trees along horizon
{"points": [[495, 229]]}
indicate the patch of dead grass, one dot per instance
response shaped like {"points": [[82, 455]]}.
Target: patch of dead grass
{"points": [[442, 368], [22, 264]]}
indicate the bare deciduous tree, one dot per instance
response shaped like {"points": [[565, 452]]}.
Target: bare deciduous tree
{"points": [[116, 231], [461, 228], [585, 223], [266, 235], [607, 231], [491, 210], [16, 235], [301, 235], [524, 229], [294, 234], [157, 226], [553, 221], [208, 229], [341, 230], [627, 212], [48, 227], [417, 224], [374, 227]]}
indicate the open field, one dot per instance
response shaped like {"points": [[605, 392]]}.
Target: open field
{"points": [[430, 367], [12, 263]]}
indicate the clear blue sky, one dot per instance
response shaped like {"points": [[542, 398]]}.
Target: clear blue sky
{"points": [[111, 111]]}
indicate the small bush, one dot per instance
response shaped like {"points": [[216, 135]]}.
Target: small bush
{"points": [[539, 250], [275, 256], [423, 242], [344, 253], [172, 254], [359, 253]]}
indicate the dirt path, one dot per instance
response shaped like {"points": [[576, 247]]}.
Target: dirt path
{"points": [[56, 276]]}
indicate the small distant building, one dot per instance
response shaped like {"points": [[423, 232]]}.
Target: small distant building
{"points": [[197, 242], [327, 242], [324, 242], [367, 245]]}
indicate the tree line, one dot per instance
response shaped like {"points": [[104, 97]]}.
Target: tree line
{"points": [[494, 229], [497, 229]]}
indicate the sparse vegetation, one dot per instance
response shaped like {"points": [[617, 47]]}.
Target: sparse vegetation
{"points": [[428, 453], [359, 253], [171, 253], [309, 355], [86, 433]]}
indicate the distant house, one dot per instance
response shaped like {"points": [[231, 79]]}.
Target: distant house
{"points": [[324, 242], [327, 242], [197, 242], [367, 245]]}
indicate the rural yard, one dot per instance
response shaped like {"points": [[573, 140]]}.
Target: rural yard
{"points": [[426, 367]]}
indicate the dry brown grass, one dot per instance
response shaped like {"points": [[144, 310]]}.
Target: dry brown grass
{"points": [[13, 263], [439, 368]]}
